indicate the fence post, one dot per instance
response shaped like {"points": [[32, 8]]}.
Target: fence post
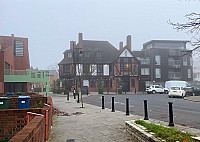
{"points": [[127, 106], [113, 105], [103, 107], [171, 121], [145, 110]]}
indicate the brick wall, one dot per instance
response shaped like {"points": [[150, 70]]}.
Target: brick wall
{"points": [[32, 132], [13, 120]]}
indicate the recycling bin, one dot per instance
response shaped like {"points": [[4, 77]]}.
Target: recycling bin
{"points": [[10, 94], [23, 102], [4, 103]]}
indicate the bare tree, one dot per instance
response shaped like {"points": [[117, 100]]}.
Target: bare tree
{"points": [[192, 27]]}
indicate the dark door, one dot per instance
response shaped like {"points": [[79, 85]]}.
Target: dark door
{"points": [[126, 84]]}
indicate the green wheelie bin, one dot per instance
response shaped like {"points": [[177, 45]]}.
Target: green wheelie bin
{"points": [[4, 103]]}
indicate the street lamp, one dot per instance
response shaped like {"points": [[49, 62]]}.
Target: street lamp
{"points": [[76, 55]]}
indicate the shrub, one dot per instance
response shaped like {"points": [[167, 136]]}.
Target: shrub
{"points": [[119, 91], [100, 91]]}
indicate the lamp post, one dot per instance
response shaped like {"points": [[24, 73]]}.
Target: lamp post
{"points": [[76, 55]]}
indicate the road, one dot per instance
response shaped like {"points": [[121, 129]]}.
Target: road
{"points": [[185, 112]]}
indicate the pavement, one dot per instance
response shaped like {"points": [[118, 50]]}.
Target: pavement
{"points": [[93, 124], [193, 98]]}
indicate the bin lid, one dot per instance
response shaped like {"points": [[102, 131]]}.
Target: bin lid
{"points": [[4, 98], [10, 93], [24, 97]]}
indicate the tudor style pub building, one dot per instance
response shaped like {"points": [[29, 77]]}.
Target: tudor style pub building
{"points": [[99, 62]]}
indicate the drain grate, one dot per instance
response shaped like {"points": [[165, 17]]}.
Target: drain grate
{"points": [[70, 140]]}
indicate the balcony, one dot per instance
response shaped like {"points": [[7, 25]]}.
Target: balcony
{"points": [[174, 63], [28, 75], [174, 75]]}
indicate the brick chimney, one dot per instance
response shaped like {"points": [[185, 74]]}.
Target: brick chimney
{"points": [[80, 40], [128, 42], [72, 44], [121, 45]]}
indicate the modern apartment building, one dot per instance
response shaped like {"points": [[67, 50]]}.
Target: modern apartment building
{"points": [[99, 62], [14, 56], [163, 60]]}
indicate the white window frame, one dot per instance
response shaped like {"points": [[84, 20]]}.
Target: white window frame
{"points": [[158, 72], [145, 71], [157, 59], [189, 73]]}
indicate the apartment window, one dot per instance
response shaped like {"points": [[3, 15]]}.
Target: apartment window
{"points": [[69, 54], [189, 73], [158, 73], [100, 68], [7, 68], [39, 75], [144, 71], [66, 69], [33, 75], [18, 48], [144, 61], [157, 59], [184, 60]]}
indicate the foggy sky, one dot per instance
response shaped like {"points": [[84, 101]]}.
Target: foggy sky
{"points": [[51, 24]]}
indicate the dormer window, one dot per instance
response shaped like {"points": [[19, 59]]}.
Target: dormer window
{"points": [[69, 54], [99, 54], [87, 54]]}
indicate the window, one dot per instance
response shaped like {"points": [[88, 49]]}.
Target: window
{"points": [[144, 61], [158, 74], [133, 83], [99, 54], [189, 73], [66, 68], [144, 71], [185, 60], [125, 64], [39, 75], [87, 54], [7, 68], [93, 69], [105, 69], [18, 48], [33, 75], [69, 54], [157, 59], [86, 68], [100, 68]]}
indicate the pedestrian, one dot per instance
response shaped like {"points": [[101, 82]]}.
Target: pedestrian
{"points": [[74, 93]]}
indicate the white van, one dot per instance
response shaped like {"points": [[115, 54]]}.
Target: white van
{"points": [[175, 83]]}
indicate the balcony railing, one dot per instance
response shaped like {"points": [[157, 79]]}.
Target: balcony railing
{"points": [[15, 72], [174, 63], [174, 75]]}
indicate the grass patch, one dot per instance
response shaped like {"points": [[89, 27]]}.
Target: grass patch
{"points": [[168, 134]]}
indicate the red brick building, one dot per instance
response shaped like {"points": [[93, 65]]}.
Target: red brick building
{"points": [[14, 57]]}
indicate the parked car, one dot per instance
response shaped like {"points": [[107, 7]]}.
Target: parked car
{"points": [[176, 92], [156, 89], [192, 91]]}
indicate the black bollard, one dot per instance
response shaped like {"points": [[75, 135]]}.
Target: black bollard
{"points": [[78, 100], [127, 106], [135, 90], [113, 105], [68, 96], [171, 121], [103, 107], [145, 110]]}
